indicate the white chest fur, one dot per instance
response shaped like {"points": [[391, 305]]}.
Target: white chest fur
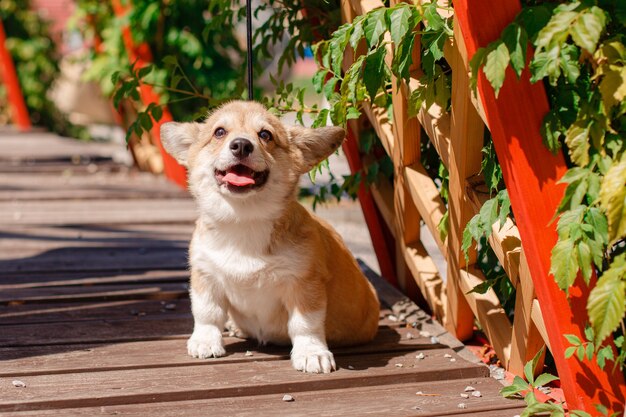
{"points": [[236, 258]]}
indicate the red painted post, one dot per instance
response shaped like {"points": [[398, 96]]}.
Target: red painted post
{"points": [[372, 219], [14, 92], [142, 56], [530, 173]]}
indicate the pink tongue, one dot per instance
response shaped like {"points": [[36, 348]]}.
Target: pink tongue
{"points": [[238, 180]]}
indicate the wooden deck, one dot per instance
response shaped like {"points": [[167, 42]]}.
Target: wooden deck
{"points": [[94, 312]]}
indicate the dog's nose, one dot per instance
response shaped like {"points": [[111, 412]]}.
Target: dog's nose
{"points": [[241, 147]]}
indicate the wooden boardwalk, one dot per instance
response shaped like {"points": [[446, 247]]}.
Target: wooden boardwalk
{"points": [[94, 312]]}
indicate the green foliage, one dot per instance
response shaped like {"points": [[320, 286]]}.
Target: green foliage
{"points": [[36, 62], [368, 79], [493, 212], [529, 388]]}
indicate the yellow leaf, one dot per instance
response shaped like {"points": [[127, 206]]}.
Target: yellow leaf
{"points": [[613, 199]]}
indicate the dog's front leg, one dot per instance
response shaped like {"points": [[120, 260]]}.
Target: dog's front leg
{"points": [[210, 311], [310, 352]]}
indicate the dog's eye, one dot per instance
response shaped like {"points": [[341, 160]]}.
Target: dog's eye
{"points": [[265, 135], [220, 132]]}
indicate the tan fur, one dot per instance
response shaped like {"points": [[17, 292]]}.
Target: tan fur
{"points": [[261, 258]]}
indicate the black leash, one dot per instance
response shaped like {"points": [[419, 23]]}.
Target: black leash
{"points": [[249, 36]]}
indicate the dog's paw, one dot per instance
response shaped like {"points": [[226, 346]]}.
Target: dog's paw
{"points": [[205, 349], [313, 359]]}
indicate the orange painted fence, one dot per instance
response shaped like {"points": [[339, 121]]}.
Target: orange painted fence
{"points": [[412, 203], [8, 76], [530, 173]]}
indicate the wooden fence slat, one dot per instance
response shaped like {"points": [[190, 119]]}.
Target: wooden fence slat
{"points": [[530, 173], [426, 198], [487, 309], [526, 339], [466, 142]]}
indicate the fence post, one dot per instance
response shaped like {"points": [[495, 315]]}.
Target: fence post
{"points": [[141, 56], [530, 173], [19, 112]]}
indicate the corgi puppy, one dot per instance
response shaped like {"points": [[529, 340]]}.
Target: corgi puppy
{"points": [[258, 258]]}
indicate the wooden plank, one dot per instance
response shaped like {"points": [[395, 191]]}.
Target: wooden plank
{"points": [[425, 195], [215, 380], [531, 173], [394, 400], [98, 212], [487, 309], [161, 291], [52, 279], [526, 339], [87, 357], [28, 240], [28, 148], [21, 314], [36, 186], [115, 259], [97, 331]]}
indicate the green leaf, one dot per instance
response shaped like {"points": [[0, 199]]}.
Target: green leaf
{"points": [[556, 31], [329, 87], [577, 139], [478, 59], [604, 354], [529, 367], [432, 17], [613, 199], [588, 27], [373, 74], [569, 352], [584, 260], [357, 32], [516, 41], [580, 413], [403, 58], [573, 339], [375, 25], [489, 215], [569, 63], [144, 71], [544, 379], [546, 64], [564, 266], [495, 66], [442, 226], [400, 23], [353, 113], [170, 60], [318, 79], [551, 132], [518, 386], [157, 112], [606, 300], [613, 85]]}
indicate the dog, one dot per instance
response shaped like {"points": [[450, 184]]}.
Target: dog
{"points": [[258, 258]]}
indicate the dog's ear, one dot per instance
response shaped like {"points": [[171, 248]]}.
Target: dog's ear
{"points": [[177, 137], [316, 144]]}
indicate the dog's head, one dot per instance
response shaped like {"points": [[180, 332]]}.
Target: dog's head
{"points": [[243, 162]]}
